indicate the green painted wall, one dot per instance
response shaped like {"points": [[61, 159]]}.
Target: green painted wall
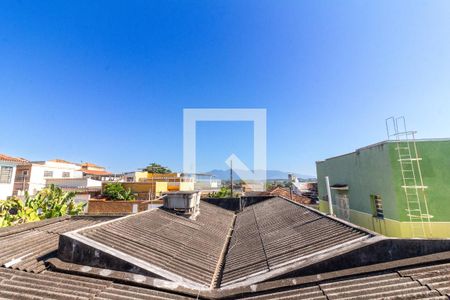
{"points": [[435, 166], [366, 171]]}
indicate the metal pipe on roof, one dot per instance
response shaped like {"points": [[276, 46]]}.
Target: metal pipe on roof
{"points": [[330, 202]]}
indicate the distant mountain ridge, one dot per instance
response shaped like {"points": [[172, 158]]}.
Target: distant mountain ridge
{"points": [[271, 174]]}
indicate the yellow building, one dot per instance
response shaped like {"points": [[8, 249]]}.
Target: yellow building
{"points": [[151, 185]]}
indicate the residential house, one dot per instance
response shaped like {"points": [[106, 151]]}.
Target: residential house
{"points": [[397, 188], [32, 177], [151, 185], [204, 181], [177, 181], [290, 194], [8, 169], [306, 188], [96, 172], [136, 176]]}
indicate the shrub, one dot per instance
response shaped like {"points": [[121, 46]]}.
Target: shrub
{"points": [[224, 192], [50, 202], [116, 191]]}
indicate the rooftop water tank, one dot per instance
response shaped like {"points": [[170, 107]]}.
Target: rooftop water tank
{"points": [[183, 202]]}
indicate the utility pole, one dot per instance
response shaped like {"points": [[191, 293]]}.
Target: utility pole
{"points": [[330, 200], [290, 183], [231, 177]]}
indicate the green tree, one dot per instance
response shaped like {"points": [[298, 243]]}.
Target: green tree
{"points": [[224, 192], [157, 168], [116, 191], [48, 203]]}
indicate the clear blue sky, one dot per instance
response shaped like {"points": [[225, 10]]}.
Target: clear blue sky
{"points": [[107, 81]]}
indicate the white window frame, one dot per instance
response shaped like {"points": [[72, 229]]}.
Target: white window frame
{"points": [[9, 176]]}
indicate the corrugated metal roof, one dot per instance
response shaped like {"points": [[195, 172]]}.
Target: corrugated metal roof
{"points": [[430, 282], [435, 277], [267, 238], [185, 247], [267, 234], [24, 247], [51, 285], [274, 232]]}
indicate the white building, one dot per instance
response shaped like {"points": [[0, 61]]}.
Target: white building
{"points": [[8, 167], [33, 176]]}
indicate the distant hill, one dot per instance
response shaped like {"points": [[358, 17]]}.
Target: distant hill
{"points": [[271, 174]]}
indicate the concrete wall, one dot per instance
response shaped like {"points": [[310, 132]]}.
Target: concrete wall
{"points": [[74, 182], [381, 251], [367, 172], [156, 188], [235, 204], [435, 166], [376, 170], [102, 207], [145, 190]]}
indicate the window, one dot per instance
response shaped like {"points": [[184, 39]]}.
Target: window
{"points": [[65, 174], [25, 172], [377, 206], [342, 204], [48, 173], [6, 174]]}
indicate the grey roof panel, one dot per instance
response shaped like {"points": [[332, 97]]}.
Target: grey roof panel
{"points": [[188, 248], [200, 253], [24, 247], [392, 285], [51, 285], [277, 231]]}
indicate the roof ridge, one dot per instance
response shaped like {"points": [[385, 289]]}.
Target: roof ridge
{"points": [[217, 276], [260, 238]]}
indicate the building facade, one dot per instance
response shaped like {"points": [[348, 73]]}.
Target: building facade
{"points": [[399, 189], [32, 177], [8, 169], [96, 172]]}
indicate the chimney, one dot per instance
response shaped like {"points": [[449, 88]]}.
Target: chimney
{"points": [[184, 203]]}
